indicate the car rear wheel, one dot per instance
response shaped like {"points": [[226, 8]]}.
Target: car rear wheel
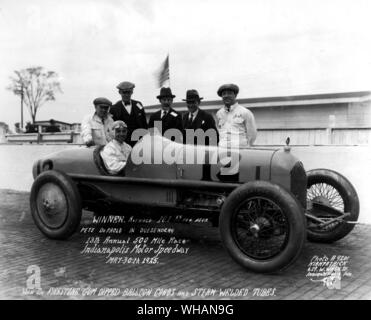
{"points": [[262, 226], [329, 196], [55, 204]]}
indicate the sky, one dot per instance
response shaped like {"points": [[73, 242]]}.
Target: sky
{"points": [[267, 47]]}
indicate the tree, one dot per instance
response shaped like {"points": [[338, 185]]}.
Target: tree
{"points": [[35, 86]]}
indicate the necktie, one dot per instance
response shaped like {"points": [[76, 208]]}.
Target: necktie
{"points": [[190, 120], [164, 113]]}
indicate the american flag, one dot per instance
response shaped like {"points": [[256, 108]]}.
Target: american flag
{"points": [[164, 73]]}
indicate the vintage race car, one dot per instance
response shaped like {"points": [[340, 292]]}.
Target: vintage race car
{"points": [[264, 204]]}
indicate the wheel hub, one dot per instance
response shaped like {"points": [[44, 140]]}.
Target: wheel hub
{"points": [[259, 225], [322, 200], [261, 228], [254, 229], [47, 205], [52, 205]]}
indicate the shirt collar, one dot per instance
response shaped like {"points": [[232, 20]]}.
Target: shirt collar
{"points": [[167, 111], [96, 118], [117, 144], [123, 103], [194, 114], [231, 108]]}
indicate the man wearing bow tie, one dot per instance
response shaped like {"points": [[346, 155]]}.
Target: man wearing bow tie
{"points": [[195, 119], [167, 117], [236, 124], [128, 110]]}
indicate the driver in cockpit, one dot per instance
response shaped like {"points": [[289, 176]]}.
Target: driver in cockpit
{"points": [[116, 153]]}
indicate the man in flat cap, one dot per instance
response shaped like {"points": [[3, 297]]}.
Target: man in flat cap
{"points": [[128, 110], [96, 128], [116, 153], [236, 124], [196, 118], [167, 116]]}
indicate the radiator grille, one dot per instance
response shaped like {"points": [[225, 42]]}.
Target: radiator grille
{"points": [[299, 183]]}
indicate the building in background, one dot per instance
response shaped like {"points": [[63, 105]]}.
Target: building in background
{"points": [[318, 119], [76, 127], [69, 133], [63, 126]]}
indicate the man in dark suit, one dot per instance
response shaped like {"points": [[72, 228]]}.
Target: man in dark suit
{"points": [[195, 119], [128, 110], [167, 117]]}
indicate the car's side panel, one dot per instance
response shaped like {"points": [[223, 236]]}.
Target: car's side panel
{"points": [[157, 158], [191, 163], [78, 160], [153, 158], [246, 164], [255, 164], [139, 194]]}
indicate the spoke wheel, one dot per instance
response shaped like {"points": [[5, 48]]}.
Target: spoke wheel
{"points": [[331, 189], [323, 193], [262, 226]]}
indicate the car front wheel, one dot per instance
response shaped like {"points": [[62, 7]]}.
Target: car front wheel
{"points": [[55, 204], [329, 197], [262, 226]]}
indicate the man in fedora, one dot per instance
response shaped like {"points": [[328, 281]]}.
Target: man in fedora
{"points": [[236, 124], [196, 118], [167, 116], [128, 110]]}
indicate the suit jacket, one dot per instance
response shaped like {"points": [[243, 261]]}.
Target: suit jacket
{"points": [[172, 120], [135, 120], [203, 121]]}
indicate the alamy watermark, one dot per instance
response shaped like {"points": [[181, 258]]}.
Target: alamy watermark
{"points": [[33, 281], [154, 149]]}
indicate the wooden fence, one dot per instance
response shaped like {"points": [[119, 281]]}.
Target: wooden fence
{"points": [[53, 138], [315, 136]]}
